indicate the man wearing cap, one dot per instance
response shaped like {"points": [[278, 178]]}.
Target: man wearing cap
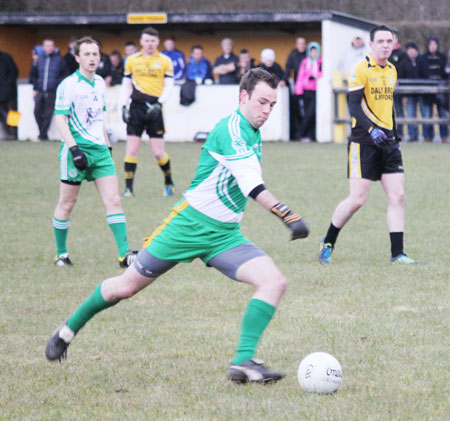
{"points": [[353, 55]]}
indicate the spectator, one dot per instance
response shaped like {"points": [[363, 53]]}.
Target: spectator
{"points": [[8, 90], [407, 70], [177, 57], [104, 68], [431, 65], [246, 62], [116, 67], [129, 49], [199, 68], [295, 57], [396, 57], [225, 66], [50, 69], [71, 64], [296, 109], [354, 54], [306, 85], [269, 64]]}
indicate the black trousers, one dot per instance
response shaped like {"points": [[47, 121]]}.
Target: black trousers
{"points": [[308, 125], [44, 106]]}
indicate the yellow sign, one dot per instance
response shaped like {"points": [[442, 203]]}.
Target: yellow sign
{"points": [[133, 18]]}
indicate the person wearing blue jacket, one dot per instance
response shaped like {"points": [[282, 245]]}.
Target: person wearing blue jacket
{"points": [[177, 57], [49, 70], [199, 68]]}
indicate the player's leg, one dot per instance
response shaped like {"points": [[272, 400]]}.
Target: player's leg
{"points": [[393, 185], [68, 194], [155, 129], [158, 149], [359, 192], [247, 263], [130, 164], [108, 188], [107, 294]]}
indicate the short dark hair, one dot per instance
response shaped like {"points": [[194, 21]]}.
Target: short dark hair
{"points": [[86, 40], [379, 28], [197, 46], [253, 77], [244, 51], [128, 43], [116, 53], [150, 31]]}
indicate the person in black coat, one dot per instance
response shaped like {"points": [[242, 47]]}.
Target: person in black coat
{"points": [[69, 58], [46, 74], [407, 70], [431, 65], [8, 89]]}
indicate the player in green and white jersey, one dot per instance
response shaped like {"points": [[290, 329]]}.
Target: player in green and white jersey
{"points": [[206, 225], [85, 152]]}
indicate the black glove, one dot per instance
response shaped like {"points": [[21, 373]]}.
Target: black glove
{"points": [[153, 110], [378, 136], [312, 78], [110, 149], [293, 220], [125, 114], [79, 158]]}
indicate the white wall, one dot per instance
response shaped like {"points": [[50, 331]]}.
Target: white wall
{"points": [[182, 123], [336, 40]]}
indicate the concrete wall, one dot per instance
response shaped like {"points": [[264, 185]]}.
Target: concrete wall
{"points": [[182, 123], [336, 40]]}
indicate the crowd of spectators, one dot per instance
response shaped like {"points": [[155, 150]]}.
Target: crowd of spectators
{"points": [[302, 69]]}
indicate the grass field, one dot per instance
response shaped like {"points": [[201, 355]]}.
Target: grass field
{"points": [[164, 353]]}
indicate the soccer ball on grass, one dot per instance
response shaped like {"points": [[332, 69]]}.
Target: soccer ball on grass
{"points": [[319, 372]]}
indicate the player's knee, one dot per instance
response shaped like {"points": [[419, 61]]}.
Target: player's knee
{"points": [[399, 198], [358, 202], [114, 202], [126, 291], [66, 204]]}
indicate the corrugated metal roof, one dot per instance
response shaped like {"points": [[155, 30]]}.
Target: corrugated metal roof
{"points": [[274, 16]]}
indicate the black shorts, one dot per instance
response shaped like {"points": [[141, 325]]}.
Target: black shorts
{"points": [[139, 121], [371, 162]]}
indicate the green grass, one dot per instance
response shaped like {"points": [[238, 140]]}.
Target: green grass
{"points": [[164, 353]]}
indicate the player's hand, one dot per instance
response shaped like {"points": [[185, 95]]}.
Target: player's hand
{"points": [[378, 136], [79, 158], [293, 221], [125, 114], [110, 149], [154, 110]]}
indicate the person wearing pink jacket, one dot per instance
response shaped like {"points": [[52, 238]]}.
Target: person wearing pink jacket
{"points": [[306, 84]]}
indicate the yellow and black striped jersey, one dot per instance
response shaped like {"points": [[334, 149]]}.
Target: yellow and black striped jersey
{"points": [[148, 73], [378, 83]]}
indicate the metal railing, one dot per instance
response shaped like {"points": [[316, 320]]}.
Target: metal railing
{"points": [[404, 87]]}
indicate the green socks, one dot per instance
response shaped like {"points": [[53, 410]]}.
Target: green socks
{"points": [[118, 226], [93, 305], [61, 228], [255, 320]]}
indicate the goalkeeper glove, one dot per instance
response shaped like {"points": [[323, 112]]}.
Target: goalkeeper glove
{"points": [[378, 136], [293, 221], [125, 114], [79, 158], [153, 110]]}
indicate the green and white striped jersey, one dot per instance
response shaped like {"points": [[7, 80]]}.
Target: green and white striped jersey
{"points": [[228, 170], [84, 102]]}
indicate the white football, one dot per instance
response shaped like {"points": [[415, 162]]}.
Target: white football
{"points": [[319, 372]]}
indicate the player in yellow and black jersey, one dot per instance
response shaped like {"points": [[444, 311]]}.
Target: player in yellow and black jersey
{"points": [[373, 149], [147, 83]]}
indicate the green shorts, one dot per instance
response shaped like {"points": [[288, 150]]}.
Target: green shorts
{"points": [[100, 164], [187, 234]]}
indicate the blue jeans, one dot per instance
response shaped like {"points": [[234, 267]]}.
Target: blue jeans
{"points": [[411, 112], [426, 108]]}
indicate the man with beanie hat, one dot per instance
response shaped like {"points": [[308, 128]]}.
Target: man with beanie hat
{"points": [[407, 70], [431, 65]]}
